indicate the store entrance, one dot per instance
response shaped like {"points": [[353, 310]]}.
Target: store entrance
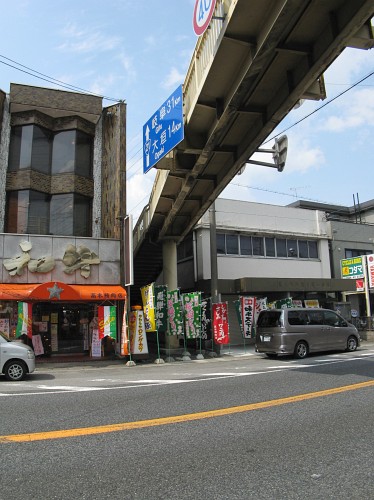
{"points": [[63, 326]]}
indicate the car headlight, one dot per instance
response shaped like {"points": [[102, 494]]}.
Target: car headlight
{"points": [[30, 355]]}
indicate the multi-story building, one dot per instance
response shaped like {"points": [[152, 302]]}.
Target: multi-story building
{"points": [[62, 200], [274, 252]]}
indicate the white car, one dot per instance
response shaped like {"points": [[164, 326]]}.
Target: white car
{"points": [[16, 359]]}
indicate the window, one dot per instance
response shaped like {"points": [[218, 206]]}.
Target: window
{"points": [[245, 245], [30, 147], [292, 248], [232, 244], [258, 245], [281, 248], [27, 212], [221, 247], [70, 215], [63, 154], [270, 247], [84, 154], [349, 253]]}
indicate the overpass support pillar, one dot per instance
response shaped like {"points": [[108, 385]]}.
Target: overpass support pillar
{"points": [[169, 258]]}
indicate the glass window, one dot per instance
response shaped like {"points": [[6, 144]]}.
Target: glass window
{"points": [[38, 220], [41, 150], [61, 214], [258, 245], [63, 152], [221, 247], [291, 248], [232, 244], [270, 247], [20, 147], [82, 216], [84, 150], [17, 209], [281, 248], [245, 245], [303, 249], [313, 249]]}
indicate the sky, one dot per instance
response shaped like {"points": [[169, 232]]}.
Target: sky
{"points": [[139, 51]]}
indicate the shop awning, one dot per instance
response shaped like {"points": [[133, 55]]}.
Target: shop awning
{"points": [[56, 291]]}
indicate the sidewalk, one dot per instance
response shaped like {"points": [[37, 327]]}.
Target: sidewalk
{"points": [[227, 352]]}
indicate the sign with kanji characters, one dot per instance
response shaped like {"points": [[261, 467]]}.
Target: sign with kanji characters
{"points": [[192, 314], [352, 268], [161, 312], [164, 130], [370, 262], [148, 307], [247, 307], [175, 316], [220, 323]]}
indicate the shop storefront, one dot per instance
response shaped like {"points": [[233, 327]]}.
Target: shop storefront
{"points": [[59, 318]]}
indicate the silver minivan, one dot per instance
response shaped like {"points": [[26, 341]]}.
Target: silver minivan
{"points": [[300, 331]]}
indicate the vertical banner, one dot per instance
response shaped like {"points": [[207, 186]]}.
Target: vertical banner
{"points": [[107, 319], [370, 263], [24, 324], [260, 305], [192, 314], [247, 308], [148, 307], [96, 348], [175, 317], [124, 335], [220, 323], [238, 310], [138, 337], [161, 311], [206, 320]]}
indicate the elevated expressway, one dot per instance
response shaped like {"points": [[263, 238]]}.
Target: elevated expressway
{"points": [[255, 62]]}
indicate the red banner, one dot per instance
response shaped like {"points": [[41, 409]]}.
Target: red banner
{"points": [[220, 323]]}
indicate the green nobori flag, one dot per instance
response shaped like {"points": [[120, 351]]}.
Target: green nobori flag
{"points": [[238, 310], [192, 314], [161, 310], [175, 316]]}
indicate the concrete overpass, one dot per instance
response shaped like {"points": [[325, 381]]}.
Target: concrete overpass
{"points": [[248, 70]]}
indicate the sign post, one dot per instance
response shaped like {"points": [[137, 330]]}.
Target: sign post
{"points": [[164, 130]]}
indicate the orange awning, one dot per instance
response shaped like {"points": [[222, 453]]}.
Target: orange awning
{"points": [[56, 291]]}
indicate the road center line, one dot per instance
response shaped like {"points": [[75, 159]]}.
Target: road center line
{"points": [[102, 429]]}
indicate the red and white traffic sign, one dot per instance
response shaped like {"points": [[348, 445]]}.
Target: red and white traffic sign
{"points": [[202, 15]]}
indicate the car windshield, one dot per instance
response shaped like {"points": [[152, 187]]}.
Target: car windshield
{"points": [[2, 334]]}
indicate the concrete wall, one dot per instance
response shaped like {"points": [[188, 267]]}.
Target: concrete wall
{"points": [[105, 273]]}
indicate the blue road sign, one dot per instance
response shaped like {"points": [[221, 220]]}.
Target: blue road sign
{"points": [[164, 130]]}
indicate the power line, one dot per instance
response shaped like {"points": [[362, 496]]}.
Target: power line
{"points": [[52, 80]]}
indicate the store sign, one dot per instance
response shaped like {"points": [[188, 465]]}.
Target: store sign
{"points": [[370, 262], [352, 268]]}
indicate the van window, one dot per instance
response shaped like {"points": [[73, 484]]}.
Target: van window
{"points": [[298, 318], [332, 319], [316, 318], [269, 318]]}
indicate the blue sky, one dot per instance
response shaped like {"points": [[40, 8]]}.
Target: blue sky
{"points": [[139, 51]]}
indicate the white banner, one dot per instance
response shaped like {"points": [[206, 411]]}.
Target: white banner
{"points": [[370, 262]]}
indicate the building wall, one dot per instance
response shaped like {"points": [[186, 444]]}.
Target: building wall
{"points": [[113, 172], [264, 220], [349, 235], [106, 272]]}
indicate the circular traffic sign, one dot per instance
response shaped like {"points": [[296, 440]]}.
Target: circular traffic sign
{"points": [[202, 15]]}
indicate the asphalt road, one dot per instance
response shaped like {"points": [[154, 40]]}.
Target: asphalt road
{"points": [[241, 428]]}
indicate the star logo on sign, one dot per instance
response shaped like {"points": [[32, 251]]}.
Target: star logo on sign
{"points": [[55, 291]]}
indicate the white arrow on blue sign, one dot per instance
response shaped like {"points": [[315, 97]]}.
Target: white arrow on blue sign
{"points": [[164, 130]]}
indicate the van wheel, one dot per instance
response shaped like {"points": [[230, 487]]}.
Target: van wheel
{"points": [[351, 344], [301, 350], [15, 370]]}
